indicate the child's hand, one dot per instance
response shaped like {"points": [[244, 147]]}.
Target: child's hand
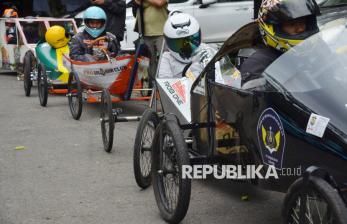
{"points": [[98, 2]]}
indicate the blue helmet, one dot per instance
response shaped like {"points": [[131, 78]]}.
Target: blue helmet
{"points": [[94, 13]]}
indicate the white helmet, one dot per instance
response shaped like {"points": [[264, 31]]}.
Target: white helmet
{"points": [[182, 35]]}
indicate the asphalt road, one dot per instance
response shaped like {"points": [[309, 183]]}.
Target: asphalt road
{"points": [[63, 176]]}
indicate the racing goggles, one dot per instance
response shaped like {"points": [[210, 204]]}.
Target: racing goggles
{"points": [[185, 46]]}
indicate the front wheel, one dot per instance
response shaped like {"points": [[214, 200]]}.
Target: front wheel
{"points": [[316, 203], [74, 89], [170, 153], [143, 147], [42, 85], [107, 120]]}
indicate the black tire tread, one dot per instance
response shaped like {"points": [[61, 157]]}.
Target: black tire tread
{"points": [[27, 74], [75, 115], [148, 115], [106, 96], [42, 77], [325, 190], [185, 184]]}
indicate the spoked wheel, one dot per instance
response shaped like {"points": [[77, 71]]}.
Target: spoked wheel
{"points": [[170, 153], [318, 203], [107, 120], [75, 95], [27, 74], [143, 148], [42, 85]]}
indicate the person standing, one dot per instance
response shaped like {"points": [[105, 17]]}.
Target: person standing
{"points": [[155, 14], [115, 12]]}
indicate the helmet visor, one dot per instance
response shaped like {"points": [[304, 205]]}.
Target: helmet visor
{"points": [[308, 24], [293, 9], [184, 46]]}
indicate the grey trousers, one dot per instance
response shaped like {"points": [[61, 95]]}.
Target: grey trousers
{"points": [[154, 44]]}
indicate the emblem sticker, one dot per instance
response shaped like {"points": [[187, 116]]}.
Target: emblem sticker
{"points": [[317, 124], [179, 87], [271, 138], [200, 87]]}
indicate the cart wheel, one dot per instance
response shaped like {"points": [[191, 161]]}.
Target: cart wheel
{"points": [[74, 89], [142, 147], [107, 120], [27, 74], [42, 85], [170, 153], [319, 203], [146, 84]]}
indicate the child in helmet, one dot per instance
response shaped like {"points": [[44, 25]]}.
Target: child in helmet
{"points": [[81, 47], [57, 36], [11, 36], [183, 39], [282, 25]]}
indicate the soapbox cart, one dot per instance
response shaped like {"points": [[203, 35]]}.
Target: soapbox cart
{"points": [[293, 116]]}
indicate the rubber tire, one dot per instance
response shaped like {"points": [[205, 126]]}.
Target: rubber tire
{"points": [[324, 190], [175, 216], [42, 85], [28, 83], [149, 115], [76, 113], [106, 108]]}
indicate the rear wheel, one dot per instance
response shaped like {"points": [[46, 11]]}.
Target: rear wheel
{"points": [[42, 85], [316, 203], [27, 68], [75, 95], [107, 120], [143, 147], [171, 191]]}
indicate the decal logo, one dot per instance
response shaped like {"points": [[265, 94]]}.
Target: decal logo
{"points": [[102, 71], [179, 87], [236, 74], [271, 138], [200, 87], [174, 94], [317, 124], [313, 120], [182, 32]]}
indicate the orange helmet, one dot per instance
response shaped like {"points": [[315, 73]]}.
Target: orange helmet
{"points": [[10, 13]]}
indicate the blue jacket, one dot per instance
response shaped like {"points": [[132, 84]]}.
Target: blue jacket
{"points": [[81, 51]]}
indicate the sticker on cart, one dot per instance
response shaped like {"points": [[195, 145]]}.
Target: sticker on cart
{"points": [[180, 89], [200, 87], [271, 138], [317, 124], [178, 92]]}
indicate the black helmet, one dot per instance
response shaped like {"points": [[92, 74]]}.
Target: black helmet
{"points": [[273, 13]]}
